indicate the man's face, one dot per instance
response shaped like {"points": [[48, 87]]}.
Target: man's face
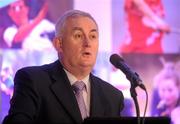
{"points": [[18, 12], [79, 43]]}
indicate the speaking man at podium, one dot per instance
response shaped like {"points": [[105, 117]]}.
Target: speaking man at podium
{"points": [[65, 91]]}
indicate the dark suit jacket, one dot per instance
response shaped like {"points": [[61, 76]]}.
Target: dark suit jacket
{"points": [[43, 94]]}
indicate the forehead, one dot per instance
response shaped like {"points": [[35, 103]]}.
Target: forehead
{"points": [[168, 83], [18, 3], [82, 22]]}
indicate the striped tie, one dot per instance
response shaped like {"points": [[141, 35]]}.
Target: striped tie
{"points": [[78, 88]]}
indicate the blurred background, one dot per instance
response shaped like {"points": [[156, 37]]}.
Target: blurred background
{"points": [[145, 34]]}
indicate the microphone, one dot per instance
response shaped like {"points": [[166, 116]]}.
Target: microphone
{"points": [[161, 105], [132, 76]]}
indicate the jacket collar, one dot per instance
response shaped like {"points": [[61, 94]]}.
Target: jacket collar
{"points": [[61, 88]]}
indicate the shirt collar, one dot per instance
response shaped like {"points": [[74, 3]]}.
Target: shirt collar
{"points": [[73, 79]]}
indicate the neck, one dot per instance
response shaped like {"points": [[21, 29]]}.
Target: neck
{"points": [[79, 72]]}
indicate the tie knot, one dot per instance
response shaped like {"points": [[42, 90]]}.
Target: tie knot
{"points": [[78, 86]]}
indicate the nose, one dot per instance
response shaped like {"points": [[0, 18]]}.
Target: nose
{"points": [[86, 41], [166, 95]]}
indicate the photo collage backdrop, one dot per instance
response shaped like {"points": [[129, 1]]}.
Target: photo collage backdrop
{"points": [[123, 30]]}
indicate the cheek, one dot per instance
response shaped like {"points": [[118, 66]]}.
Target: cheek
{"points": [[171, 97], [70, 49], [175, 94], [95, 46], [12, 15], [165, 95], [161, 93]]}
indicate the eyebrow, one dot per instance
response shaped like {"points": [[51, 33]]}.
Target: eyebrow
{"points": [[80, 29]]}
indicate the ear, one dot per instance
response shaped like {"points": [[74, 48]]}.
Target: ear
{"points": [[57, 43]]}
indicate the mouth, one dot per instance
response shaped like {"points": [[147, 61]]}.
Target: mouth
{"points": [[86, 53]]}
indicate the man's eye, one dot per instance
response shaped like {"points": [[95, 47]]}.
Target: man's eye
{"points": [[93, 36], [78, 36]]}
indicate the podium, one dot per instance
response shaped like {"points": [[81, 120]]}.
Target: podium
{"points": [[126, 120]]}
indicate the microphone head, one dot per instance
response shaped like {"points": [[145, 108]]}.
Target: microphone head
{"points": [[115, 59], [132, 76], [161, 105]]}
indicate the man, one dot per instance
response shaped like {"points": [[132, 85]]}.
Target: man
{"points": [[44, 94]]}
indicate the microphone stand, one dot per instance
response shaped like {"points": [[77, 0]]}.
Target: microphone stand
{"points": [[134, 96], [134, 83]]}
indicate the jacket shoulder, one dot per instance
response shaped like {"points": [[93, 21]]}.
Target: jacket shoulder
{"points": [[107, 86], [36, 69]]}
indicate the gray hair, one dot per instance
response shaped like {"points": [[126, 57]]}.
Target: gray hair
{"points": [[70, 14]]}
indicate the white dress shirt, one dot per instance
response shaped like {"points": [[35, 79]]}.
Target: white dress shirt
{"points": [[86, 93]]}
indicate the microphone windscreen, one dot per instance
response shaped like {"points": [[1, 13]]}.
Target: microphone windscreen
{"points": [[161, 104], [115, 59]]}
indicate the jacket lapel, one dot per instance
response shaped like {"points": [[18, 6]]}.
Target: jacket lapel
{"points": [[62, 90], [98, 102]]}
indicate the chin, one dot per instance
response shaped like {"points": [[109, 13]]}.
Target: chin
{"points": [[87, 64]]}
